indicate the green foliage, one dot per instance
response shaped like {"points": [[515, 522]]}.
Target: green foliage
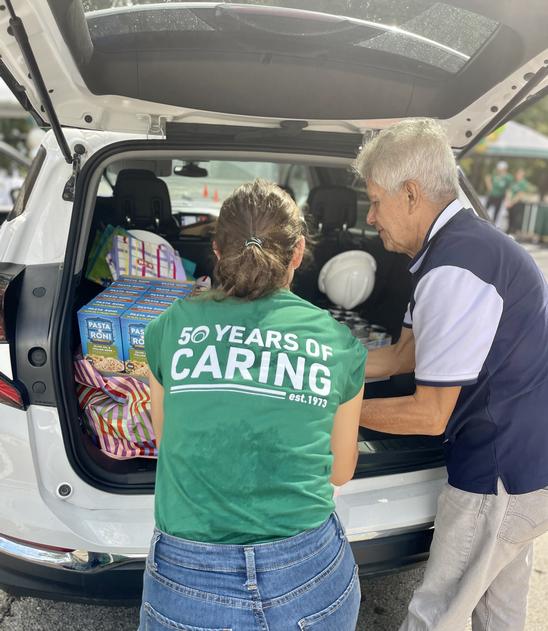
{"points": [[477, 166], [536, 116], [14, 131]]}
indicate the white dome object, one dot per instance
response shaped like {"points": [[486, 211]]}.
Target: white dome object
{"points": [[348, 278]]}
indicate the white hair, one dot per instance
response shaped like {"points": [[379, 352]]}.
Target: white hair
{"points": [[413, 149]]}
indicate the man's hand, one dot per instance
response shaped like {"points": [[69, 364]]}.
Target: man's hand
{"points": [[397, 359], [427, 412]]}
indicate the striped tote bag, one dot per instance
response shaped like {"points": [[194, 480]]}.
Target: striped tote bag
{"points": [[116, 412]]}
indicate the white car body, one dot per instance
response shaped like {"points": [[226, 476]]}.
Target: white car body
{"points": [[51, 516]]}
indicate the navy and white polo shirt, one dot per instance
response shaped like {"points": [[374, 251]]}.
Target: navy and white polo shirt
{"points": [[479, 314]]}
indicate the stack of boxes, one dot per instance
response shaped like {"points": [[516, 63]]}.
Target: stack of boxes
{"points": [[112, 325]]}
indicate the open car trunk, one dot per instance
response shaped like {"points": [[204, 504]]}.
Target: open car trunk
{"points": [[194, 202]]}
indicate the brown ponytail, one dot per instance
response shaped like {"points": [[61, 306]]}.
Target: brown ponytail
{"points": [[258, 228]]}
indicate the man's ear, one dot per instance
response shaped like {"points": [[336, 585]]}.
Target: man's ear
{"points": [[413, 194], [298, 253], [216, 250]]}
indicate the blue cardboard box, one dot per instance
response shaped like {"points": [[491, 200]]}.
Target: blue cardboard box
{"points": [[101, 336]]}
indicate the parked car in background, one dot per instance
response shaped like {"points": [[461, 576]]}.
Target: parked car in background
{"points": [[229, 91]]}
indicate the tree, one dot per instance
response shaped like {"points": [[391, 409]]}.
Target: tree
{"points": [[477, 166]]}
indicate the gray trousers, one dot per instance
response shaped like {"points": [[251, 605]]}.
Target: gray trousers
{"points": [[480, 562]]}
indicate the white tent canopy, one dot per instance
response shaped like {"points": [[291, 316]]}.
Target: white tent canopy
{"points": [[514, 140], [9, 105]]}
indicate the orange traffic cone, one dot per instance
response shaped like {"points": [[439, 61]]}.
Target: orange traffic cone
{"points": [[206, 192], [216, 196]]}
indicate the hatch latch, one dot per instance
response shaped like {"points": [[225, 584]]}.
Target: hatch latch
{"points": [[70, 186]]}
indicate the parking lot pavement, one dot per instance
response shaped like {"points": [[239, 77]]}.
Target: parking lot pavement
{"points": [[383, 608], [385, 601]]}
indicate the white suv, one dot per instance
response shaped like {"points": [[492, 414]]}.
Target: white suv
{"points": [[229, 91]]}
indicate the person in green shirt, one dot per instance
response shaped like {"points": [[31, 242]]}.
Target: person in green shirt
{"points": [[515, 201], [255, 397], [497, 184]]}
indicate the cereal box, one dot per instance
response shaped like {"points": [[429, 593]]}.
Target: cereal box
{"points": [[133, 323], [101, 336]]}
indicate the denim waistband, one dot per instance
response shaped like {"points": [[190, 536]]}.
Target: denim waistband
{"points": [[232, 558]]}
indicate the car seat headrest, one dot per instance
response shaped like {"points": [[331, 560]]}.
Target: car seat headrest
{"points": [[141, 200], [333, 207]]}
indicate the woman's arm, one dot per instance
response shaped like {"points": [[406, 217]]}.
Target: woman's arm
{"points": [[344, 440], [156, 406]]}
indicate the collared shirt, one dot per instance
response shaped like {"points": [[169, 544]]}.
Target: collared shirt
{"points": [[479, 314]]}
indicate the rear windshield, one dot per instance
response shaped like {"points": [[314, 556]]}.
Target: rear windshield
{"points": [[436, 34], [197, 189]]}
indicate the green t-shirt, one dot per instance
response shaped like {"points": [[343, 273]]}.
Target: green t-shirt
{"points": [[519, 186], [251, 389], [500, 182]]}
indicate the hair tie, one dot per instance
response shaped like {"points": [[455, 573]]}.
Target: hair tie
{"points": [[254, 241]]}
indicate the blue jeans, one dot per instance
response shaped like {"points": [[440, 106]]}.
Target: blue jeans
{"points": [[309, 581]]}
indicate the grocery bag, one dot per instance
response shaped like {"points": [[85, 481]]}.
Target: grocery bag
{"points": [[98, 269], [116, 412], [131, 256]]}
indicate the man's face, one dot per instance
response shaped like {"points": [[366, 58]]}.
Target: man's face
{"points": [[389, 214]]}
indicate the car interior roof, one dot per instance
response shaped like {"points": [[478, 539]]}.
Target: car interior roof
{"points": [[253, 75]]}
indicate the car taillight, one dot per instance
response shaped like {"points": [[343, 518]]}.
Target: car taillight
{"points": [[10, 392]]}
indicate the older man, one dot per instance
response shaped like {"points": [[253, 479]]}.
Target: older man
{"points": [[476, 335]]}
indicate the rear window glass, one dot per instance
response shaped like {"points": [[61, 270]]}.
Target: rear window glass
{"points": [[197, 189], [26, 188], [437, 34]]}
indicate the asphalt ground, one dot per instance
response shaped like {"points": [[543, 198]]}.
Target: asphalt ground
{"points": [[384, 599]]}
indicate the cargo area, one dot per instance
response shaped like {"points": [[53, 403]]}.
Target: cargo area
{"points": [[173, 203]]}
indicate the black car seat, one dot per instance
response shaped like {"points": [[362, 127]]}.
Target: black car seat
{"points": [[331, 211], [141, 200]]}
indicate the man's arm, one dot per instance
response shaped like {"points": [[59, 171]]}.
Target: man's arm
{"points": [[427, 412], [391, 360]]}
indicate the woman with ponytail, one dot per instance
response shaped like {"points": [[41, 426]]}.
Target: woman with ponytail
{"points": [[256, 397]]}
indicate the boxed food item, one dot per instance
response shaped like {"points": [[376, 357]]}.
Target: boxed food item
{"points": [[162, 295], [112, 325], [163, 302], [150, 307], [106, 299], [101, 336], [184, 287], [133, 323], [123, 291], [132, 281]]}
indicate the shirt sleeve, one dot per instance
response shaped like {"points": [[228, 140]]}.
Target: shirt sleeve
{"points": [[408, 318], [455, 320], [153, 337], [354, 369]]}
